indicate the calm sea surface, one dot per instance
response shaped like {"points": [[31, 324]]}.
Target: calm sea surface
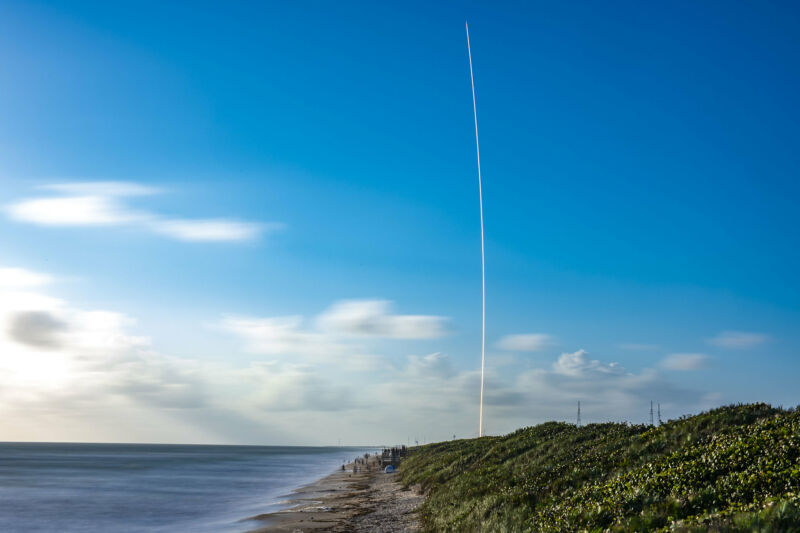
{"points": [[156, 488]]}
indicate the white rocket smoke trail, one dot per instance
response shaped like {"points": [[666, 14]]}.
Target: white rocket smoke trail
{"points": [[483, 255]]}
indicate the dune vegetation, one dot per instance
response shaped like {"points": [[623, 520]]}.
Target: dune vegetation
{"points": [[735, 468]]}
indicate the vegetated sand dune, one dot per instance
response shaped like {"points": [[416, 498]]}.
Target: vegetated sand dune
{"points": [[735, 468]]}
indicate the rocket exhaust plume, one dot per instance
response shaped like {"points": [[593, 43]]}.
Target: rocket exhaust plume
{"points": [[483, 255]]}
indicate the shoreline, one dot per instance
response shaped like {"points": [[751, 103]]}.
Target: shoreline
{"points": [[359, 498]]}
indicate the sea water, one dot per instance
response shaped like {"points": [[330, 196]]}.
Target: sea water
{"points": [[157, 488]]}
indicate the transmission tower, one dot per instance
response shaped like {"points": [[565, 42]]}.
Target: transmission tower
{"points": [[579, 414], [659, 414], [651, 412]]}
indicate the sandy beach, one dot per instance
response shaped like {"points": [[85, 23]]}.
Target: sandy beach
{"points": [[361, 498]]}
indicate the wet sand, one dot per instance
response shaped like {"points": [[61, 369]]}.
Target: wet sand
{"points": [[348, 501]]}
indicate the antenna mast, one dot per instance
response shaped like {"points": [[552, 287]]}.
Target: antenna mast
{"points": [[483, 256]]}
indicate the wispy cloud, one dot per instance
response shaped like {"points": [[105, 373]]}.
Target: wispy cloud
{"points": [[332, 332], [86, 373], [211, 230], [20, 278], [738, 339], [607, 391], [435, 365], [295, 388], [528, 342], [284, 335], [578, 364], [686, 361], [83, 374], [95, 204], [75, 211], [374, 318]]}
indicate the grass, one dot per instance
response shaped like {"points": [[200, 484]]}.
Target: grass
{"points": [[736, 468]]}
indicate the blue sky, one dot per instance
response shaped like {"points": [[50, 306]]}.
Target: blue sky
{"points": [[268, 194]]}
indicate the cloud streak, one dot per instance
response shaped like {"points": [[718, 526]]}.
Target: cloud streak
{"points": [[738, 340], [20, 278], [686, 361], [374, 318], [102, 204], [281, 336], [529, 342], [337, 332]]}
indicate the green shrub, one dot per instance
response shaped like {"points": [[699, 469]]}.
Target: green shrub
{"points": [[731, 469]]}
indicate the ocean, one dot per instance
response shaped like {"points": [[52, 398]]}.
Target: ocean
{"points": [[127, 488]]}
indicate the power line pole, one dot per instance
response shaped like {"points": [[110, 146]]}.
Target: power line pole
{"points": [[651, 412], [579, 414], [659, 414]]}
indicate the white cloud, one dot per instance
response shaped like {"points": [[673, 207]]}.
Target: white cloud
{"points": [[336, 332], [281, 336], [529, 342], [373, 318], [686, 361], [738, 339], [74, 211], [101, 204], [20, 278], [68, 373], [210, 230], [294, 388], [75, 374], [609, 394], [444, 400], [435, 365], [63, 368], [577, 364]]}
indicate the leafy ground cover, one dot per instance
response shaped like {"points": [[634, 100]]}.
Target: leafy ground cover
{"points": [[735, 468]]}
